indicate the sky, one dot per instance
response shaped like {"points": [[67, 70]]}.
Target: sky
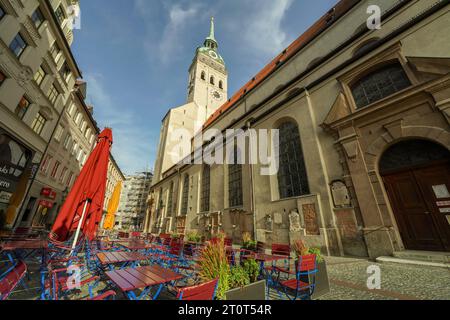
{"points": [[135, 55]]}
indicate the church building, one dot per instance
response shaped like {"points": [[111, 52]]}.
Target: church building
{"points": [[363, 116]]}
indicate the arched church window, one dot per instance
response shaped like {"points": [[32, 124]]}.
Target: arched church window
{"points": [[220, 84], [170, 201], [211, 80], [379, 84], [203, 76], [184, 203], [206, 187], [292, 177], [235, 198]]}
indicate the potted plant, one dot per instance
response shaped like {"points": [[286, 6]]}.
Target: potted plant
{"points": [[213, 264], [194, 237], [247, 242], [322, 284], [244, 284]]}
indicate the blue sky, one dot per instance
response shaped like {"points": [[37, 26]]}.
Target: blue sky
{"points": [[135, 56]]}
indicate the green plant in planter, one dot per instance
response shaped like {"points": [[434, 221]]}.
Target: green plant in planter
{"points": [[213, 264], [247, 241], [238, 277], [194, 236], [317, 252], [251, 267]]}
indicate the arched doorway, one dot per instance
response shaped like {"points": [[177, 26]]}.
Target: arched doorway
{"points": [[416, 174]]}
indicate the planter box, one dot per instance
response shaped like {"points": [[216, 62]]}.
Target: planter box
{"points": [[254, 291], [322, 282]]}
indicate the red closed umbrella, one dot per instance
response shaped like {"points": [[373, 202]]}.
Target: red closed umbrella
{"points": [[83, 208]]}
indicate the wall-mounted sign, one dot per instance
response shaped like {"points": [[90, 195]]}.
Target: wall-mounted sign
{"points": [[341, 196], [48, 193], [46, 204], [5, 197]]}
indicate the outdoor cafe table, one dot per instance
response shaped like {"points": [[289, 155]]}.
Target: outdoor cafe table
{"points": [[115, 257], [142, 278], [135, 245], [262, 258]]}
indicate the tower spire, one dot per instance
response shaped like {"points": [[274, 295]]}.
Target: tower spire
{"points": [[211, 41], [211, 31]]}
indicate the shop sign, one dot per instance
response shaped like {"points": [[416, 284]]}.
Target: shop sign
{"points": [[7, 185], [48, 193], [46, 204], [5, 197]]}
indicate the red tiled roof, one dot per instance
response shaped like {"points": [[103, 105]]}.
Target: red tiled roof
{"points": [[335, 13]]}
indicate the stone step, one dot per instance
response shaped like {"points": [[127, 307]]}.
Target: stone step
{"points": [[429, 256], [413, 262]]}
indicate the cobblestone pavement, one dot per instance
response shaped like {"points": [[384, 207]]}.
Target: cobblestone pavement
{"points": [[348, 278]]}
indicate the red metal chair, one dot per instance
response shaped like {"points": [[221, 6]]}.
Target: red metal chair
{"points": [[12, 280], [302, 286], [228, 242], [204, 291]]}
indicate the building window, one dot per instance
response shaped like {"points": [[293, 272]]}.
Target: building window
{"points": [[65, 71], [80, 155], [185, 196], [74, 148], [39, 76], [38, 123], [67, 141], [206, 187], [46, 163], [220, 84], [235, 198], [2, 78], [2, 13], [22, 107], [71, 109], [78, 118], [83, 126], [55, 169], [203, 76], [18, 45], [170, 202], [63, 174], [55, 50], [292, 178], [59, 132], [69, 180], [211, 80], [37, 17], [52, 94], [379, 84], [60, 15]]}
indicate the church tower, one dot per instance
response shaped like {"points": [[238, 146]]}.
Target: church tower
{"points": [[208, 77]]}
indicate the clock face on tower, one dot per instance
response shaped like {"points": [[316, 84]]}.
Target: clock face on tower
{"points": [[216, 95], [213, 54]]}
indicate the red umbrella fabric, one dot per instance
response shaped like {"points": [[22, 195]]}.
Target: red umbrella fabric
{"points": [[90, 186]]}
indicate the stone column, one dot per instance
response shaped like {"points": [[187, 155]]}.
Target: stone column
{"points": [[376, 234]]}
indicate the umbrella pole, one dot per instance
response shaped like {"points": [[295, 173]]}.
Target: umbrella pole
{"points": [[79, 227]]}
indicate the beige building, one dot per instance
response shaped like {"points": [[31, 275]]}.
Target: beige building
{"points": [[363, 117], [37, 75]]}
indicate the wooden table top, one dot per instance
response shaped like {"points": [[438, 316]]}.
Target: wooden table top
{"points": [[24, 244], [142, 277], [119, 256]]}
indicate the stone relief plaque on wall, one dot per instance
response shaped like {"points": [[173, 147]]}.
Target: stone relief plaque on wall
{"points": [[339, 191], [294, 222], [347, 224], [310, 216]]}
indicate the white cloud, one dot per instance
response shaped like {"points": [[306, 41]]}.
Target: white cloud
{"points": [[262, 29]]}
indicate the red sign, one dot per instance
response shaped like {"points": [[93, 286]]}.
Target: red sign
{"points": [[46, 204], [48, 193]]}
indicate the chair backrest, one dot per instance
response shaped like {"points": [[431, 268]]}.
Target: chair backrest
{"points": [[307, 264], [12, 279], [204, 291], [166, 241], [260, 247], [135, 234], [228, 241], [281, 249], [176, 248]]}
